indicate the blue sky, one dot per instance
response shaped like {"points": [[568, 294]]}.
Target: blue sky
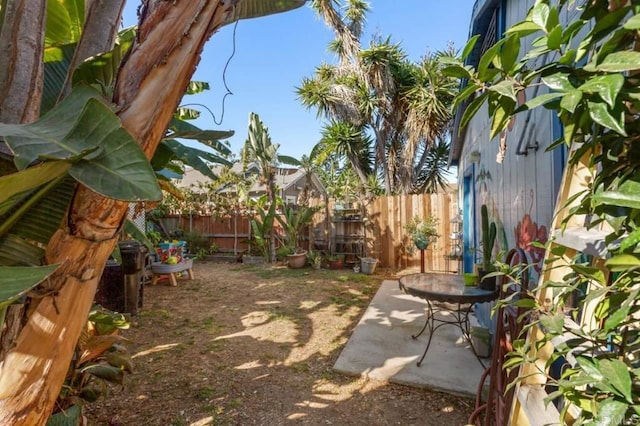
{"points": [[274, 53]]}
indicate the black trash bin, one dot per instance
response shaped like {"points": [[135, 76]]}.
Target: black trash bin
{"points": [[110, 294], [132, 264]]}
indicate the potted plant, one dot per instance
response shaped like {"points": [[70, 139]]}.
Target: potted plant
{"points": [[335, 261], [293, 222], [314, 258], [488, 241], [423, 231]]}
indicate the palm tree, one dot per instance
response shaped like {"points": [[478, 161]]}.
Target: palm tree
{"points": [[377, 91], [263, 153]]}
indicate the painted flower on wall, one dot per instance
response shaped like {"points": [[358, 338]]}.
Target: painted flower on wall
{"points": [[527, 232]]}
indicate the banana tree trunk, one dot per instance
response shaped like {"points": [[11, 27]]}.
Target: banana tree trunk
{"points": [[168, 47], [21, 69]]}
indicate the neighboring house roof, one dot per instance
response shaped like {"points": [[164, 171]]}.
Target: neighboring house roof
{"points": [[286, 179]]}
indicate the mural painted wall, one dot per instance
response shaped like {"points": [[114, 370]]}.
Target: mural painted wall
{"points": [[513, 174]]}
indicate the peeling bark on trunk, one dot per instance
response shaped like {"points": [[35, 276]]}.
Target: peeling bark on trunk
{"points": [[21, 71], [21, 47], [171, 38]]}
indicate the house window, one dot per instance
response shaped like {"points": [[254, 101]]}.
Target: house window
{"points": [[489, 20], [290, 200]]}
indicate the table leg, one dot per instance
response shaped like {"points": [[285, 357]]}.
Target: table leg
{"points": [[430, 322], [460, 319], [467, 334]]}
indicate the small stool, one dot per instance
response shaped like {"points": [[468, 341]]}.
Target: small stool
{"points": [[159, 269]]}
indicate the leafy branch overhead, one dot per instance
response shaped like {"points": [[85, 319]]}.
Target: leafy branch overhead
{"points": [[585, 72]]}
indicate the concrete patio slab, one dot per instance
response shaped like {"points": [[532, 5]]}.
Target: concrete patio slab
{"points": [[381, 347]]}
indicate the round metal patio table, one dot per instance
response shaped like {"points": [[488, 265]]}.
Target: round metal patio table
{"points": [[446, 289]]}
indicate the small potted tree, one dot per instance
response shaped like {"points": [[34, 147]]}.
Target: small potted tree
{"points": [[293, 222], [422, 231]]}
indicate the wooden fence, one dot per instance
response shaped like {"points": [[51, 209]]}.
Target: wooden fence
{"points": [[385, 238], [383, 221]]}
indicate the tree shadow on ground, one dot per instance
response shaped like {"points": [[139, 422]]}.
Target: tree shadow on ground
{"points": [[256, 346]]}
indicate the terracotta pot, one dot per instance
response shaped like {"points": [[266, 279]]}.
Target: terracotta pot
{"points": [[297, 260], [336, 264]]}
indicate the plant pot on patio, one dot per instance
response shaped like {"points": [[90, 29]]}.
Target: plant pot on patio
{"points": [[368, 265], [297, 260]]}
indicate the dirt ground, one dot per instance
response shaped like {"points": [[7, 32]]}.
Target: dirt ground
{"points": [[255, 345]]}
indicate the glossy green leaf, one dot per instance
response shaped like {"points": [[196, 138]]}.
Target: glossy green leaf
{"points": [[631, 240], [568, 57], [500, 118], [617, 375], [554, 39], [509, 53], [553, 20], [627, 195], [79, 124], [569, 132], [524, 28], [540, 100], [610, 413], [17, 281], [471, 110], [623, 262], [607, 86], [601, 115], [484, 71], [620, 61], [464, 94], [558, 82], [468, 48], [457, 71], [591, 367], [31, 178], [540, 14], [615, 319], [571, 100], [633, 23], [504, 88], [553, 324]]}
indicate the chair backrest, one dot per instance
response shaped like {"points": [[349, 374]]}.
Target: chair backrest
{"points": [[510, 323]]}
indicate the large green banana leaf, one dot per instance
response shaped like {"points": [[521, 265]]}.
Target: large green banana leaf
{"points": [[211, 138], [21, 243], [247, 9], [16, 281], [65, 19], [104, 67], [83, 130], [17, 186]]}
